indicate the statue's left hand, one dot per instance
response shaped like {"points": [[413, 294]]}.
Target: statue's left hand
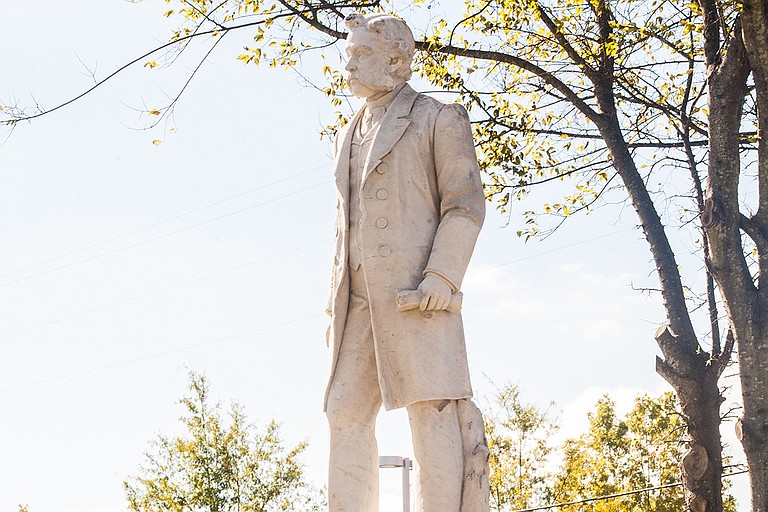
{"points": [[437, 293]]}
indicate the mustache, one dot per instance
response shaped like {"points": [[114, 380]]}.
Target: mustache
{"points": [[381, 80]]}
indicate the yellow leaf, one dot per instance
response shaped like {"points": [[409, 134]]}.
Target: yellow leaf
{"points": [[157, 142], [168, 13], [150, 64], [154, 112]]}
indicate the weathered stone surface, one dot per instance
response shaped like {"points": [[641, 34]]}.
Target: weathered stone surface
{"points": [[410, 206]]}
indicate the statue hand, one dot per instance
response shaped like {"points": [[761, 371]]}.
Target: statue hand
{"points": [[437, 293]]}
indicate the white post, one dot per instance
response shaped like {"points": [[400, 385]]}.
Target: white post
{"points": [[393, 461]]}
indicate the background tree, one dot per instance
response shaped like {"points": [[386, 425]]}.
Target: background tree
{"points": [[221, 466], [615, 455], [519, 438], [604, 92]]}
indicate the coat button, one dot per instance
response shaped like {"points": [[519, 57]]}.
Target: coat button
{"points": [[382, 194], [381, 168], [381, 222], [384, 250]]}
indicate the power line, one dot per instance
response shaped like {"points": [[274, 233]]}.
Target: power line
{"points": [[160, 290], [557, 249], [120, 249], [160, 354], [260, 260], [241, 334], [617, 495], [160, 222]]}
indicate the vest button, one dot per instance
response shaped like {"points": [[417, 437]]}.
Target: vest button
{"points": [[382, 194], [381, 222], [381, 168], [384, 250]]}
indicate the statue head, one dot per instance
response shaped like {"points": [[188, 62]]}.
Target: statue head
{"points": [[380, 50]]}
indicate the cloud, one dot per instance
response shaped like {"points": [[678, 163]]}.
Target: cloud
{"points": [[564, 302], [573, 418]]}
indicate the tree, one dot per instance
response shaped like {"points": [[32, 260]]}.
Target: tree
{"points": [[604, 92], [615, 455], [519, 441], [220, 466]]}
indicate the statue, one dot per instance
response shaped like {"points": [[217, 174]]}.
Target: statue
{"points": [[410, 206]]}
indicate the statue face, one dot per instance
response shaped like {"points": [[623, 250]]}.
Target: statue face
{"points": [[369, 65]]}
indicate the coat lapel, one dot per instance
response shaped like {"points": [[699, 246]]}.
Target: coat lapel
{"points": [[392, 127], [341, 170]]}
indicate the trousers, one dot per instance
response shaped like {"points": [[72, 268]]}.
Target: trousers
{"points": [[354, 401]]}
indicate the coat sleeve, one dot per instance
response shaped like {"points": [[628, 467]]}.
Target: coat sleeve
{"points": [[460, 190]]}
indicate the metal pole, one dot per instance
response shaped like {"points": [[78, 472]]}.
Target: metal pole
{"points": [[406, 485], [389, 461]]}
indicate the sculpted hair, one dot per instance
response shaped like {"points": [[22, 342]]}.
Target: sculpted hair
{"points": [[397, 37]]}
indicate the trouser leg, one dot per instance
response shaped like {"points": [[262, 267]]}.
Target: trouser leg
{"points": [[354, 400], [438, 453]]}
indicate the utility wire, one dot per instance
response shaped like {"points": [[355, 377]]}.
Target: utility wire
{"points": [[161, 290], [260, 260], [120, 249], [161, 354], [161, 222], [617, 495], [557, 249], [152, 356]]}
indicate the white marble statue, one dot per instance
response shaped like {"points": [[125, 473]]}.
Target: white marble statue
{"points": [[410, 206]]}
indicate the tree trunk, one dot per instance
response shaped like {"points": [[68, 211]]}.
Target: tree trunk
{"points": [[745, 301], [691, 371], [752, 428], [753, 343], [694, 377]]}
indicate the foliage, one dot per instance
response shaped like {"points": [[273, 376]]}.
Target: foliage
{"points": [[640, 451], [519, 436], [538, 115], [527, 71], [615, 455], [220, 466]]}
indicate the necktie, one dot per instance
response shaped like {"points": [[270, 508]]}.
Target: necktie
{"points": [[371, 119]]}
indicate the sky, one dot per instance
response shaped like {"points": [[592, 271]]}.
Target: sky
{"points": [[129, 257]]}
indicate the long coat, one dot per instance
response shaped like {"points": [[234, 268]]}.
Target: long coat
{"points": [[422, 207]]}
